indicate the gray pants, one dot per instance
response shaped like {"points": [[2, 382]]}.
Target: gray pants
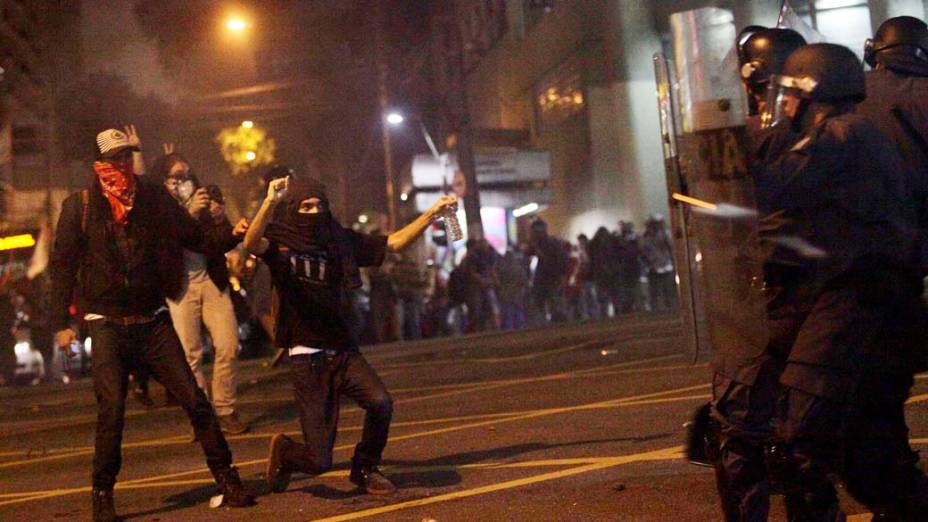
{"points": [[203, 303]]}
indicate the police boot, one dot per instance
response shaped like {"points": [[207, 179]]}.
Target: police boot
{"points": [[103, 508], [231, 488]]}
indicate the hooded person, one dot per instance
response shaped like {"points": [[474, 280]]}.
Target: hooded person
{"points": [[118, 251], [315, 264]]}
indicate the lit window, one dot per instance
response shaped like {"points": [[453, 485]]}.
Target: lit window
{"points": [[845, 22], [559, 95]]}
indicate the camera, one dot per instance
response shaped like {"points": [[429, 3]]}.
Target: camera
{"points": [[215, 194]]}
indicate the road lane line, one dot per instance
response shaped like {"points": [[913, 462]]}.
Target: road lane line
{"points": [[523, 357], [662, 454], [184, 440], [429, 433], [475, 386]]}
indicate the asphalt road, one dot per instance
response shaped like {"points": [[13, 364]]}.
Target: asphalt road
{"points": [[578, 422]]}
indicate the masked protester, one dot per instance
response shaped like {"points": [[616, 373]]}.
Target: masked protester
{"points": [[844, 310], [118, 249], [898, 54], [745, 379], [205, 298], [314, 264]]}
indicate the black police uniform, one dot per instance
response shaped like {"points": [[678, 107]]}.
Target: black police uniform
{"points": [[846, 315], [899, 55], [745, 381]]}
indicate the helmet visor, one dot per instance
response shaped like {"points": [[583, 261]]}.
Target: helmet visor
{"points": [[783, 96]]}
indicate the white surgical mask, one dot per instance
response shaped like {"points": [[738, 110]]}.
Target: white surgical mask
{"points": [[185, 190]]}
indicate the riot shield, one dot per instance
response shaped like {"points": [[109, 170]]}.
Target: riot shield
{"points": [[710, 176], [682, 251]]}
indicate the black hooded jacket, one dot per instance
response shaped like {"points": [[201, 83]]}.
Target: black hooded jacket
{"points": [[89, 265]]}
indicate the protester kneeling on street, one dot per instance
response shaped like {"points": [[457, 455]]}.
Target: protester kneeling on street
{"points": [[314, 264]]}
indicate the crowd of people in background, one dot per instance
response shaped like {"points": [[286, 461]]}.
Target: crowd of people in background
{"points": [[542, 280]]}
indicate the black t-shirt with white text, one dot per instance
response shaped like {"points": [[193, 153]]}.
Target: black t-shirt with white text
{"points": [[315, 305]]}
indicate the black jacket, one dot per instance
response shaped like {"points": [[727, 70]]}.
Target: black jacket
{"points": [[89, 265], [898, 104]]}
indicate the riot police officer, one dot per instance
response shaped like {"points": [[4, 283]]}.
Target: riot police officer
{"points": [[745, 379], [761, 55], [898, 54], [844, 304]]}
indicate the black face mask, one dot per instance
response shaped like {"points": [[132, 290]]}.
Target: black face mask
{"points": [[314, 228]]}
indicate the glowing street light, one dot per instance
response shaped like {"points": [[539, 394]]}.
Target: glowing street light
{"points": [[250, 155], [362, 218], [248, 124], [236, 24], [395, 118]]}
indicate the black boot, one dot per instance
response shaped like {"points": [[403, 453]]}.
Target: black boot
{"points": [[370, 479], [103, 508], [231, 488]]}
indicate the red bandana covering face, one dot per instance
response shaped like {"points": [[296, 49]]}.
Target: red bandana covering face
{"points": [[118, 184]]}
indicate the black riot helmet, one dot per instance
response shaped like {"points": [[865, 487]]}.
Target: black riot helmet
{"points": [[905, 35], [821, 72], [825, 72], [763, 54]]}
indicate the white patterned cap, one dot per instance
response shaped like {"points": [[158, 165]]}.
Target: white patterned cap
{"points": [[113, 141]]}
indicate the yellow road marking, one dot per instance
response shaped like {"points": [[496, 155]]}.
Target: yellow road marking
{"points": [[661, 454], [630, 401], [457, 389], [522, 357], [344, 472], [184, 440]]}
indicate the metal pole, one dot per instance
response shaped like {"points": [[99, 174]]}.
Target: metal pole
{"points": [[465, 138], [382, 71]]}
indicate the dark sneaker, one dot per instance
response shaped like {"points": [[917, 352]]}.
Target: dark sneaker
{"points": [[231, 488], [104, 509], [278, 478], [230, 424], [371, 480]]}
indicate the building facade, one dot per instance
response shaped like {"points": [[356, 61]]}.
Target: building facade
{"points": [[578, 76]]}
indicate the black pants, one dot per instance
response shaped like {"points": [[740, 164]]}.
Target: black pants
{"points": [[155, 347], [744, 412], [319, 381], [864, 442]]}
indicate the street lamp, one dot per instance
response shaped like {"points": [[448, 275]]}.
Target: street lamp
{"points": [[248, 124], [236, 24], [395, 118]]}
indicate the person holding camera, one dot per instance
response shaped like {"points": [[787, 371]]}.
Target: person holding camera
{"points": [[205, 298]]}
